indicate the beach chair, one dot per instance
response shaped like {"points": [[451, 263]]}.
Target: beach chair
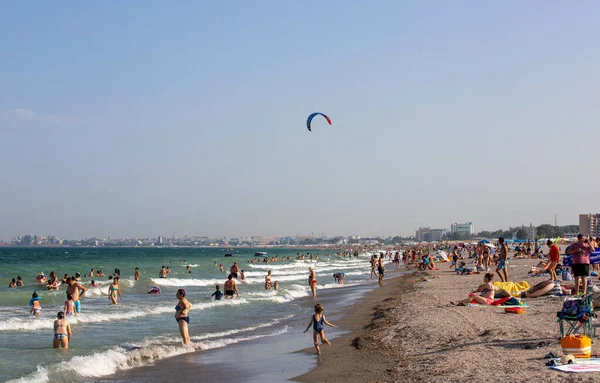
{"points": [[576, 317]]}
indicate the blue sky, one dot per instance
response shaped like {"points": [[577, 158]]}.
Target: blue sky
{"points": [[142, 119]]}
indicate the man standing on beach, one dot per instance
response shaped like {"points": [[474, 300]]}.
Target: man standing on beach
{"points": [[580, 252], [502, 269], [73, 290]]}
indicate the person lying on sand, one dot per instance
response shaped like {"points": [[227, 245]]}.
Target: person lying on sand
{"points": [[483, 295]]}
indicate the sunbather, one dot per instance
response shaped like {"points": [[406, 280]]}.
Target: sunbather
{"points": [[483, 295]]}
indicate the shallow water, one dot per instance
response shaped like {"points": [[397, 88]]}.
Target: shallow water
{"points": [[108, 339]]}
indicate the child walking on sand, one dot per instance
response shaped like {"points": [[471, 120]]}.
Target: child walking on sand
{"points": [[317, 322]]}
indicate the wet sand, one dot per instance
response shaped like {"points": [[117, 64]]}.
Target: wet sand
{"points": [[270, 359], [408, 332]]}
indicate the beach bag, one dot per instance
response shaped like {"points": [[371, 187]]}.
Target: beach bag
{"points": [[557, 290], [566, 276], [578, 345], [573, 307], [512, 302]]}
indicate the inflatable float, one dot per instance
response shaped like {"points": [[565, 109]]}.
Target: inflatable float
{"points": [[154, 290], [594, 259]]}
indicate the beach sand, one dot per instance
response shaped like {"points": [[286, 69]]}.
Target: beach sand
{"points": [[407, 331]]}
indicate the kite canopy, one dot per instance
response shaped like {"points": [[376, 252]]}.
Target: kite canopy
{"points": [[309, 120]]}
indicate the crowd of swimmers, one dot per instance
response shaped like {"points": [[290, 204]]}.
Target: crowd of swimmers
{"points": [[76, 289]]}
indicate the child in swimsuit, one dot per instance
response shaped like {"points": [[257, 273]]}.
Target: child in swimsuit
{"points": [[317, 322], [34, 302], [217, 294], [69, 308]]}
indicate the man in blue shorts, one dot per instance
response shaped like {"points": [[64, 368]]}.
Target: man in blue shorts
{"points": [[502, 268]]}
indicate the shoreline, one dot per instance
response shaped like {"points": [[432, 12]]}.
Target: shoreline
{"points": [[414, 335], [359, 356], [283, 352]]}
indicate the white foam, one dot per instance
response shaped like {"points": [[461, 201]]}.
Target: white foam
{"points": [[178, 282], [237, 331], [127, 357], [32, 323]]}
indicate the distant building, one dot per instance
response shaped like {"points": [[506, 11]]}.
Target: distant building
{"points": [[420, 234], [160, 240], [427, 234], [589, 224], [530, 230], [462, 228]]}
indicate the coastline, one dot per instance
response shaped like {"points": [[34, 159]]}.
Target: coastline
{"points": [[359, 356], [283, 353], [414, 334]]}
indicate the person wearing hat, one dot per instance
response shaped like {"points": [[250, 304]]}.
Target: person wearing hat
{"points": [[41, 278], [312, 281]]}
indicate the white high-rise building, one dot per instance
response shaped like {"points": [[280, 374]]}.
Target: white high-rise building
{"points": [[462, 228]]}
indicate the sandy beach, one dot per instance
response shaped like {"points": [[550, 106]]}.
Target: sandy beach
{"points": [[408, 331]]}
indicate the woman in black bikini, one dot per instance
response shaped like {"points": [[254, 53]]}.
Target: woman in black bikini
{"points": [[181, 315]]}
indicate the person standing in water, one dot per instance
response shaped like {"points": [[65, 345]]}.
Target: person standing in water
{"points": [[34, 302], [268, 283], [74, 289], [163, 272], [312, 281], [231, 288], [69, 308], [380, 270], [62, 331], [182, 316], [317, 321], [234, 270], [136, 275], [114, 291], [217, 294]]}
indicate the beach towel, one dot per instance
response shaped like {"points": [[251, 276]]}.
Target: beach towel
{"points": [[581, 365], [514, 288], [500, 301]]}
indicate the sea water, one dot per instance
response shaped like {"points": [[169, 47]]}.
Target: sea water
{"points": [[141, 329]]}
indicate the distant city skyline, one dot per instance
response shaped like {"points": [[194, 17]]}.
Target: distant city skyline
{"points": [[184, 118], [455, 227]]}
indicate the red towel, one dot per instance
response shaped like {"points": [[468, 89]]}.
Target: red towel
{"points": [[498, 302]]}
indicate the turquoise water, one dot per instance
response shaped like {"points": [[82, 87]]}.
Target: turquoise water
{"points": [[141, 329]]}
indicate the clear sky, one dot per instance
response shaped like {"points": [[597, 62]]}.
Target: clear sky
{"points": [[188, 118]]}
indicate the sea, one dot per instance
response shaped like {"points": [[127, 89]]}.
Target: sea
{"points": [[141, 330]]}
